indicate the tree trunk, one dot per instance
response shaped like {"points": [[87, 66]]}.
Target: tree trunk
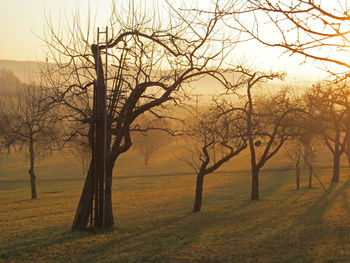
{"points": [[347, 142], [336, 166], [199, 192], [146, 159], [347, 149], [109, 220], [31, 169], [297, 175], [85, 204], [310, 175], [307, 153], [255, 184]]}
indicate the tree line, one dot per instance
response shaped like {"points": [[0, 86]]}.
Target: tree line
{"points": [[153, 60]]}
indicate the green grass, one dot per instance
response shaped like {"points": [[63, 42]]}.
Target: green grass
{"points": [[153, 218]]}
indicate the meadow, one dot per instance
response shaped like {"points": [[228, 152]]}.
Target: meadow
{"points": [[153, 218]]}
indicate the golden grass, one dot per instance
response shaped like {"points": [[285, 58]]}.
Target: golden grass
{"points": [[154, 222]]}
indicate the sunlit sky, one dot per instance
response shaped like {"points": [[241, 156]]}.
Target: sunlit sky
{"points": [[22, 21]]}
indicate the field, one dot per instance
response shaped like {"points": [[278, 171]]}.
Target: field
{"points": [[154, 222]]}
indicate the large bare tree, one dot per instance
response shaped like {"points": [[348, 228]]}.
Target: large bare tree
{"points": [[150, 60]]}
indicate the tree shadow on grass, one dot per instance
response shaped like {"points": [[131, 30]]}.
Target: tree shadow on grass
{"points": [[312, 235]]}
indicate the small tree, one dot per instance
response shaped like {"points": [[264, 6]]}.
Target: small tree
{"points": [[347, 128], [31, 123], [150, 137], [3, 138], [331, 106], [81, 150], [215, 138], [295, 152], [8, 82]]}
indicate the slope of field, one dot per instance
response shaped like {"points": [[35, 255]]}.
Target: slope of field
{"points": [[153, 218]]}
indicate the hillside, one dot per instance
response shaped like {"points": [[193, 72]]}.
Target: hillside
{"points": [[24, 70]]}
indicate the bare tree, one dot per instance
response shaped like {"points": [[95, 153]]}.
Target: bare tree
{"points": [[295, 152], [347, 128], [149, 65], [81, 150], [31, 124], [153, 137], [212, 139], [3, 138], [267, 120], [8, 82], [331, 103]]}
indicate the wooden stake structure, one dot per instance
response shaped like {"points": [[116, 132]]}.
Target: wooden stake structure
{"points": [[99, 149]]}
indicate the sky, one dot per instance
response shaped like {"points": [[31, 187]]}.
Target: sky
{"points": [[23, 23]]}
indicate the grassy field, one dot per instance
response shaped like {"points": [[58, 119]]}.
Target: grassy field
{"points": [[154, 222]]}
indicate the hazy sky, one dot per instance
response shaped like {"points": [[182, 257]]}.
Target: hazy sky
{"points": [[22, 20]]}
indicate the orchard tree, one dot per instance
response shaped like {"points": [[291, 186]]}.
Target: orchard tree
{"points": [[153, 135], [31, 124], [331, 103], [8, 82], [295, 152], [213, 137], [3, 137], [267, 120], [150, 60], [81, 150]]}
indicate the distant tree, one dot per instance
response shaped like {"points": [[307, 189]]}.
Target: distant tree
{"points": [[81, 150], [311, 136], [267, 120], [331, 103], [212, 139], [347, 128], [150, 137], [8, 82], [3, 137], [295, 152], [31, 123]]}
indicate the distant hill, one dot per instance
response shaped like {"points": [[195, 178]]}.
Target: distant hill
{"points": [[204, 87], [24, 70]]}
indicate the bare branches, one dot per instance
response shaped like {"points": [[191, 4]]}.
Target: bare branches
{"points": [[31, 122], [313, 29]]}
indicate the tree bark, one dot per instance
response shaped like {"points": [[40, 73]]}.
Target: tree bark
{"points": [[85, 204], [310, 175], [347, 148], [146, 159], [31, 169], [255, 184], [199, 192], [109, 219], [297, 175], [336, 166]]}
